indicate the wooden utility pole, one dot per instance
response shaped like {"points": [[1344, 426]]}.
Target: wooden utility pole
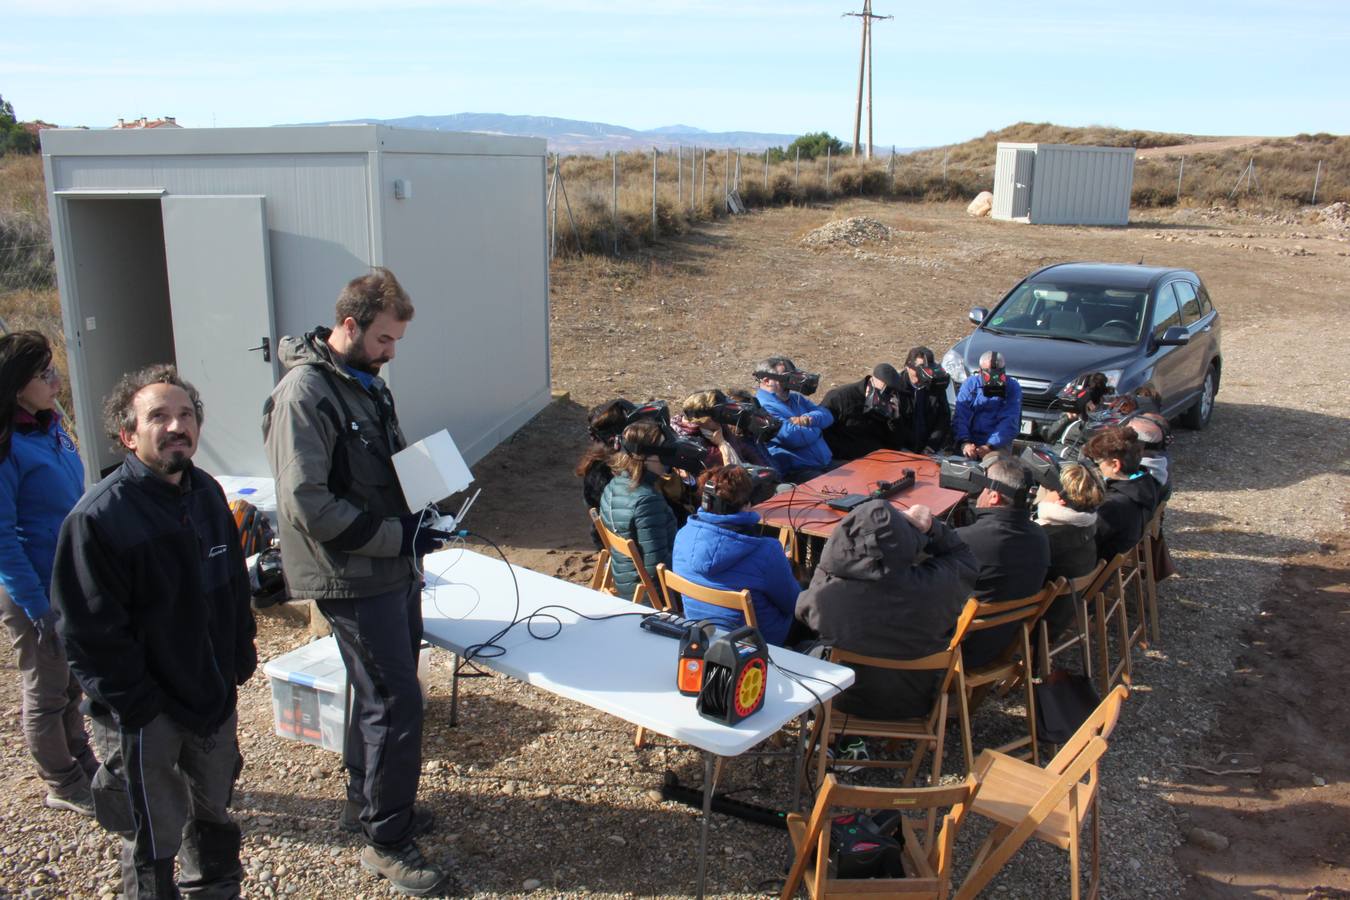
{"points": [[864, 75]]}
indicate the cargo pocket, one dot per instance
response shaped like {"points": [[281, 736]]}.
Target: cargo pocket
{"points": [[112, 806]]}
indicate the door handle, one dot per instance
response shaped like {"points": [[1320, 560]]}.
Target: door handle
{"points": [[265, 347]]}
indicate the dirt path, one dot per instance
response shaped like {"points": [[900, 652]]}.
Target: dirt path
{"points": [[532, 788], [1228, 143]]}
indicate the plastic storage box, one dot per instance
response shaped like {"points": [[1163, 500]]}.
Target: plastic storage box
{"points": [[309, 692]]}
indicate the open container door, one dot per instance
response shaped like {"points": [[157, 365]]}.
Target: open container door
{"points": [[220, 290]]}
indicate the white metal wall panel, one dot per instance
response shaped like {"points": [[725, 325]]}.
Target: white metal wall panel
{"points": [[317, 213], [468, 244], [1082, 185]]}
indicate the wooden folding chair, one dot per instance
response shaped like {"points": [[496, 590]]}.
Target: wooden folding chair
{"points": [[1049, 804], [1082, 593], [927, 863], [1014, 665], [602, 579], [927, 732], [1108, 604], [674, 587], [1148, 566], [646, 591]]}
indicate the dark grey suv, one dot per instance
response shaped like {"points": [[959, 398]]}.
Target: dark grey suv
{"points": [[1140, 325]]}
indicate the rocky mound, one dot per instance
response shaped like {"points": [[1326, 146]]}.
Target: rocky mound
{"points": [[852, 232]]}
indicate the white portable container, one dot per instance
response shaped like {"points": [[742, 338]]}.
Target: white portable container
{"points": [[1063, 184], [309, 693], [202, 247]]}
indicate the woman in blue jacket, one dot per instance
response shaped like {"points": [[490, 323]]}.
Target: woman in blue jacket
{"points": [[40, 480], [719, 548]]}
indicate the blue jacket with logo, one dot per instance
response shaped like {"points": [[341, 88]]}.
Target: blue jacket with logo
{"points": [[711, 550], [994, 421], [797, 446], [40, 482]]}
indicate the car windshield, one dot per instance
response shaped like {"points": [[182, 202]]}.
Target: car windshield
{"points": [[1084, 313]]}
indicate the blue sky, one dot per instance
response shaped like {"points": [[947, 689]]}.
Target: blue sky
{"points": [[943, 72]]}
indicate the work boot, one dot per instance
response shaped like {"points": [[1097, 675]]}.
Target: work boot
{"points": [[152, 881], [80, 800], [423, 819], [406, 869]]}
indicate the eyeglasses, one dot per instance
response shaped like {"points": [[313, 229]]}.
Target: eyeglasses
{"points": [[50, 375]]}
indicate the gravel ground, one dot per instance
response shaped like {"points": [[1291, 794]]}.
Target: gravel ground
{"points": [[537, 795]]}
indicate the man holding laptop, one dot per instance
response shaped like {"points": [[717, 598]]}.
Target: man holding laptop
{"points": [[350, 543]]}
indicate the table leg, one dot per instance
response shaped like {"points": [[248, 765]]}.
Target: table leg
{"points": [[798, 760], [454, 689], [709, 788]]}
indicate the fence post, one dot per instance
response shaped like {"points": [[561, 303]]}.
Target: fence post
{"points": [[944, 166], [1316, 180], [653, 193], [1180, 171], [703, 178], [797, 172], [693, 177], [679, 175], [766, 171], [726, 185], [553, 223], [827, 170], [614, 201]]}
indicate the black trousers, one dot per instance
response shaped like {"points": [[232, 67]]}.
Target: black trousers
{"points": [[379, 638]]}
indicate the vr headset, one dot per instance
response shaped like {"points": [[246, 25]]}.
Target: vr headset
{"points": [[1044, 465], [673, 450], [994, 380], [961, 474], [765, 484], [884, 403], [932, 376], [611, 434], [747, 418], [794, 380]]}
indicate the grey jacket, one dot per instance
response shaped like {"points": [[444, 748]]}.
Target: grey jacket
{"points": [[329, 443], [871, 594]]}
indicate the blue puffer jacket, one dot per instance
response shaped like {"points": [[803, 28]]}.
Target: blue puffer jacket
{"points": [[40, 483], [994, 421], [711, 552], [797, 446], [640, 513]]}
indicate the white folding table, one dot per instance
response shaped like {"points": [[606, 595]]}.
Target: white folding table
{"points": [[610, 665]]}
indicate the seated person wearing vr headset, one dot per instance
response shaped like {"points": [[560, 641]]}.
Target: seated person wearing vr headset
{"points": [[1131, 493], [798, 450], [889, 584], [1013, 551], [925, 415], [1083, 399], [720, 547], [633, 505], [1066, 509], [866, 415], [988, 409], [734, 430]]}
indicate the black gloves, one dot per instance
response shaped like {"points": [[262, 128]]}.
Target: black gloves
{"points": [[419, 541]]}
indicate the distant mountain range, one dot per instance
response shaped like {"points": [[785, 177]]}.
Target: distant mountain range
{"points": [[575, 136]]}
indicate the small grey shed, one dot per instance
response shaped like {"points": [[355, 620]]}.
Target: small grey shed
{"points": [[202, 246], [1063, 184]]}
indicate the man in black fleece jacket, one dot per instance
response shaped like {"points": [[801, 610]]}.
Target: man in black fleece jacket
{"points": [[152, 592], [1013, 552]]}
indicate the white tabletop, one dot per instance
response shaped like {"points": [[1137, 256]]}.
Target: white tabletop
{"points": [[613, 666]]}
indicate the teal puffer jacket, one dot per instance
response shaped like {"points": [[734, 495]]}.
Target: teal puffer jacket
{"points": [[640, 513]]}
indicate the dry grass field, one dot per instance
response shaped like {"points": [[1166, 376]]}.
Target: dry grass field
{"points": [[1245, 678]]}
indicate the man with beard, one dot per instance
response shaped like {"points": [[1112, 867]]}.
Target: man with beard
{"points": [[866, 415], [153, 597], [349, 542]]}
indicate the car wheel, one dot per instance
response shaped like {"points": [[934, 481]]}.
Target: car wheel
{"points": [[1198, 416]]}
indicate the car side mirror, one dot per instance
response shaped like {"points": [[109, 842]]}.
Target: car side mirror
{"points": [[1176, 336], [978, 314]]}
